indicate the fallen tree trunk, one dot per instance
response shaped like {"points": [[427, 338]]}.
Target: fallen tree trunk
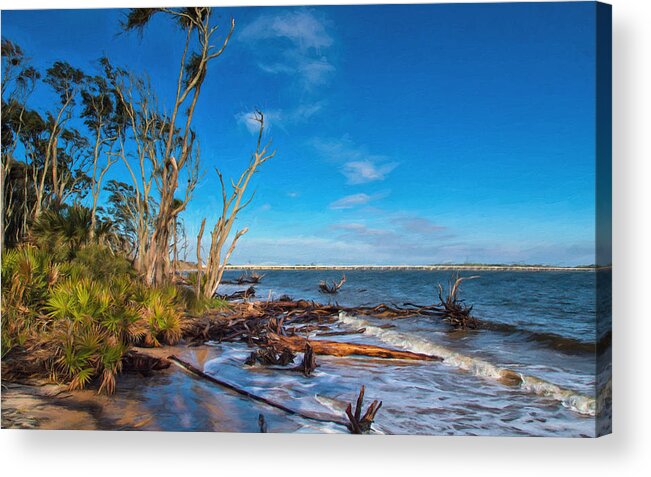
{"points": [[302, 413], [342, 333], [143, 363], [335, 348]]}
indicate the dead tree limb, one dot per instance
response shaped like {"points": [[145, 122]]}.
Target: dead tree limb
{"points": [[239, 295], [332, 287], [308, 365], [334, 348], [342, 333], [251, 278], [362, 424], [313, 416], [454, 310], [262, 423], [143, 363], [232, 204], [271, 356]]}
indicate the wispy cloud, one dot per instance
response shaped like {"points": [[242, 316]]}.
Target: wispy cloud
{"points": [[359, 165], [360, 172], [279, 117], [350, 201], [360, 231], [247, 119], [418, 225], [291, 43]]}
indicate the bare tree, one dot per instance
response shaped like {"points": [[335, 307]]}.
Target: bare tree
{"points": [[18, 81], [179, 151], [138, 150], [66, 81], [231, 206], [105, 127]]}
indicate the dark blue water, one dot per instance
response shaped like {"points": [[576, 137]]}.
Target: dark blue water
{"points": [[462, 395]]}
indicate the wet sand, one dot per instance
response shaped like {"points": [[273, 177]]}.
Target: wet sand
{"points": [[168, 400]]}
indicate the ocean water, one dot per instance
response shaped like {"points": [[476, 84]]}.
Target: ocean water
{"points": [[549, 341]]}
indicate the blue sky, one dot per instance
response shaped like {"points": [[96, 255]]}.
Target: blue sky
{"points": [[405, 134]]}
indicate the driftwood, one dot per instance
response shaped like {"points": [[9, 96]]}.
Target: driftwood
{"points": [[292, 330], [142, 363], [332, 287], [270, 356], [455, 311], [308, 365], [342, 333], [238, 295], [246, 278], [297, 412], [262, 424], [252, 322], [362, 424], [335, 348], [407, 310]]}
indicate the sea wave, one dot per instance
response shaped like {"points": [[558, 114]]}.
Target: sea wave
{"points": [[568, 398]]}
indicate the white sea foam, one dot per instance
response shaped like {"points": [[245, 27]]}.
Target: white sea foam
{"points": [[571, 399]]}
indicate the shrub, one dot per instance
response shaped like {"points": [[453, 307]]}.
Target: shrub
{"points": [[28, 274], [187, 297], [101, 263], [63, 232], [78, 317], [93, 326], [160, 310]]}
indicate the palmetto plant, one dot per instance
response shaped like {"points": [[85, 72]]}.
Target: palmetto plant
{"points": [[65, 231], [93, 327], [160, 310], [28, 274], [81, 315]]}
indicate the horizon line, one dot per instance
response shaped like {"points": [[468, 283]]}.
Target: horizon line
{"points": [[416, 267]]}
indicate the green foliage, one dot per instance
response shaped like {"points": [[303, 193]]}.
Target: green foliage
{"points": [[63, 232], [191, 277], [64, 79], [200, 304], [93, 326], [160, 310], [138, 18], [28, 274], [101, 263], [82, 314]]}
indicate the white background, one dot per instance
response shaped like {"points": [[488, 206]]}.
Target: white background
{"points": [[627, 452]]}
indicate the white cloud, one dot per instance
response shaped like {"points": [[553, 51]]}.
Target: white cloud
{"points": [[301, 27], [350, 201], [248, 120], [359, 165], [316, 72], [360, 172], [279, 117], [291, 43]]}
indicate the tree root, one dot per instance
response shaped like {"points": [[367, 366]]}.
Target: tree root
{"points": [[359, 424]]}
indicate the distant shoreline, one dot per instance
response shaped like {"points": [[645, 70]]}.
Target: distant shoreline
{"points": [[528, 268]]}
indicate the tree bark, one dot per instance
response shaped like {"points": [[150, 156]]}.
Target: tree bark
{"points": [[334, 348]]}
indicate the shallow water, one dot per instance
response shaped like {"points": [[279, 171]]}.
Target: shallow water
{"points": [[462, 395]]}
